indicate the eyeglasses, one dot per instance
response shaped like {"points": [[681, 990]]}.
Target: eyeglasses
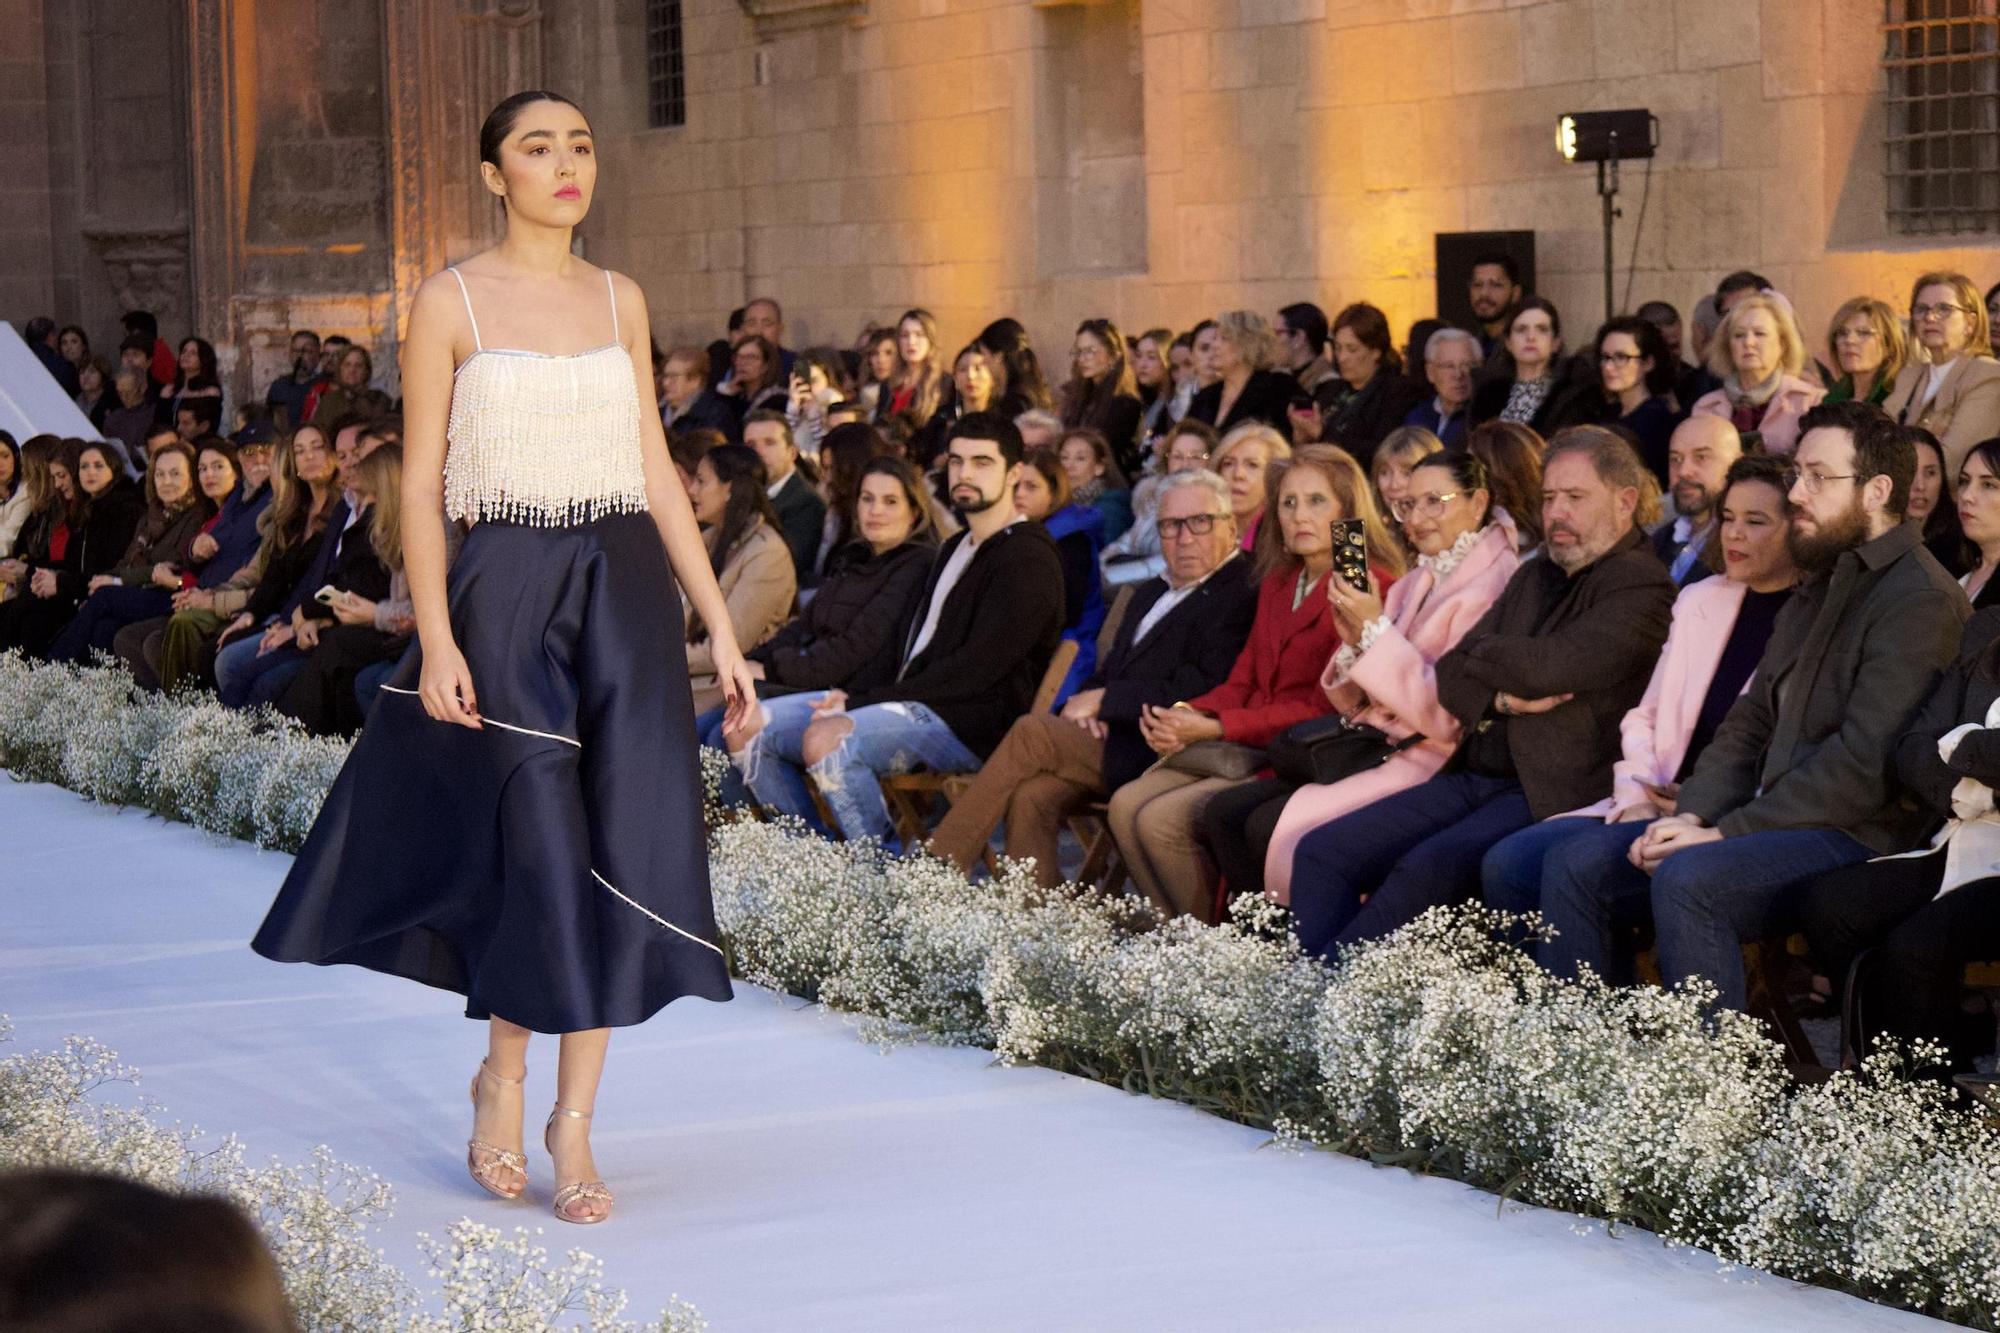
{"points": [[1430, 505], [1945, 311], [1618, 358], [1814, 481], [1183, 456], [1195, 525]]}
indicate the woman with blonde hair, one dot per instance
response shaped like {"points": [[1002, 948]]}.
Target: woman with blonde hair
{"points": [[1157, 817], [1398, 454], [1246, 388], [1245, 459], [1954, 392], [1866, 345], [1759, 355]]}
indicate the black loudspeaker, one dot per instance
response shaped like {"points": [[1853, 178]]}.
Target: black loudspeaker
{"points": [[1456, 251]]}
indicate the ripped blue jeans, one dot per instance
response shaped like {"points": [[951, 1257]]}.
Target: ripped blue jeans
{"points": [[886, 739]]}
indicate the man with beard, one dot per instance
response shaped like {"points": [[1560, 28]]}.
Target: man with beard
{"points": [[1799, 778], [975, 646], [1541, 683], [288, 393], [1698, 457], [1493, 291]]}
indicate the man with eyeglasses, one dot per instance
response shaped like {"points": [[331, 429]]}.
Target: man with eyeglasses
{"points": [[1451, 359], [1698, 458], [1799, 779], [686, 401], [1177, 637]]}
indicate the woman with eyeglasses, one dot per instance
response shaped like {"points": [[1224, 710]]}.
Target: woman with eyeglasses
{"points": [[1138, 555], [1868, 349], [1636, 372], [1720, 628], [1383, 674], [1956, 396]]}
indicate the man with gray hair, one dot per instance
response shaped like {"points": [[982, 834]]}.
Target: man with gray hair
{"points": [[131, 421], [1451, 359], [1178, 637]]}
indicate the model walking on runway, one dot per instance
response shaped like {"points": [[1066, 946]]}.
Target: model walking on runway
{"points": [[520, 821]]}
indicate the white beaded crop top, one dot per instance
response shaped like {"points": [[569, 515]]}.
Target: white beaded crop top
{"points": [[543, 439]]}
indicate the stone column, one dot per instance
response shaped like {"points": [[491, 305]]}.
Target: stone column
{"points": [[215, 171]]}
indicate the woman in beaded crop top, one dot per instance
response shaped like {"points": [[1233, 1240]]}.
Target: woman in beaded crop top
{"points": [[520, 819]]}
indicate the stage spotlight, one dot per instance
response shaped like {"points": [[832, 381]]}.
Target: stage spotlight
{"points": [[1607, 138]]}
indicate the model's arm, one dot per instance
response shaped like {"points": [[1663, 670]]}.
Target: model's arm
{"points": [[428, 357], [675, 517]]}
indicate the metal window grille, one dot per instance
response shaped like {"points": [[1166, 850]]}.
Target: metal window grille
{"points": [[1943, 134], [666, 67]]}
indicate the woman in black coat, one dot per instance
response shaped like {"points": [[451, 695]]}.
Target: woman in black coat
{"points": [[1102, 394], [1370, 395], [1247, 390], [107, 515], [1537, 386]]}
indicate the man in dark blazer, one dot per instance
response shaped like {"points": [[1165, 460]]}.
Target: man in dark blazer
{"points": [[1540, 685], [1178, 637], [686, 401], [801, 511], [1800, 777]]}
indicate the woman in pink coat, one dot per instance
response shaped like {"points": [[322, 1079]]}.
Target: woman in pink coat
{"points": [[1464, 559], [1761, 358], [1720, 628]]}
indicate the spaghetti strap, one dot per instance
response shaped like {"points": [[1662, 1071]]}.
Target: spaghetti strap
{"points": [[614, 305], [453, 270]]}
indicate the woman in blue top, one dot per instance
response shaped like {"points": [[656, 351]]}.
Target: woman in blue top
{"points": [[1043, 496], [1095, 479]]}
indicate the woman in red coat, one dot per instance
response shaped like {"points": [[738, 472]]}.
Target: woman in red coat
{"points": [[1156, 817]]}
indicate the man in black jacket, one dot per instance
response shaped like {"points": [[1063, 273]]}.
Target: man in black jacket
{"points": [[686, 401], [1178, 638], [1800, 777], [801, 511], [975, 645]]}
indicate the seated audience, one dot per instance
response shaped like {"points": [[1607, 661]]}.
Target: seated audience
{"points": [[1533, 384], [1178, 639], [920, 388], [1512, 454], [39, 334], [43, 497], [1396, 458], [1759, 357], [129, 419], [843, 454], [878, 366], [1096, 479], [1978, 508], [756, 380], [1903, 928], [181, 506], [1384, 675], [287, 394], [1493, 291], [95, 397], [1636, 375], [747, 550], [1042, 496], [1956, 396], [1213, 742], [795, 500], [348, 392], [1451, 359], [1720, 629], [1368, 396], [1245, 389], [1799, 778], [975, 646], [688, 403], [1538, 685], [358, 626], [1302, 332], [1140, 554], [1020, 385], [1102, 394], [812, 391], [1156, 374], [1698, 459], [1245, 459], [103, 511], [1868, 349], [1932, 510], [16, 501]]}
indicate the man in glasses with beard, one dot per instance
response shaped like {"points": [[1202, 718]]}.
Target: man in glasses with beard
{"points": [[1799, 779], [288, 393]]}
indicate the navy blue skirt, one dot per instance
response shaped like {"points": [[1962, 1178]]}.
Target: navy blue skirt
{"points": [[551, 867]]}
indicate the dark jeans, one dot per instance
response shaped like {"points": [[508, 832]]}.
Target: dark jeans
{"points": [[1528, 873], [1237, 825], [1917, 946], [102, 615], [1406, 853], [1707, 901]]}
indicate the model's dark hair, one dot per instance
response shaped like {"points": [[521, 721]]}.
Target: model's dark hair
{"points": [[500, 121]]}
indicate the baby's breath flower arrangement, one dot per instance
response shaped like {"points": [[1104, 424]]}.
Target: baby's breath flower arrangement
{"points": [[1440, 1047]]}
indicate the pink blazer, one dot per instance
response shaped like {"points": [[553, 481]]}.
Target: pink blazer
{"points": [[1780, 429], [1656, 733], [1396, 680]]}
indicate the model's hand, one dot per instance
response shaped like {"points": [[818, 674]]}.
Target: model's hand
{"points": [[732, 673], [445, 687]]}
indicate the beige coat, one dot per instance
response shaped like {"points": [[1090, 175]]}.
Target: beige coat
{"points": [[1965, 411], [759, 585]]}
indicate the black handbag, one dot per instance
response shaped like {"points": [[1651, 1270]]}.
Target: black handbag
{"points": [[1326, 749], [1216, 759]]}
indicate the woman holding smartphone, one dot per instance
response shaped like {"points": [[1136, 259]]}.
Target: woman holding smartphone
{"points": [[486, 835]]}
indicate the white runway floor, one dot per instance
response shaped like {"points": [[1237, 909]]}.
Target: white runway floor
{"points": [[782, 1175]]}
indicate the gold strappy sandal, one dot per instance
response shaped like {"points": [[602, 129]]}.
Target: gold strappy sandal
{"points": [[483, 1161], [577, 1190]]}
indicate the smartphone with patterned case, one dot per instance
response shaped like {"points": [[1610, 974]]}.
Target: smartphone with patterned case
{"points": [[1350, 552]]}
